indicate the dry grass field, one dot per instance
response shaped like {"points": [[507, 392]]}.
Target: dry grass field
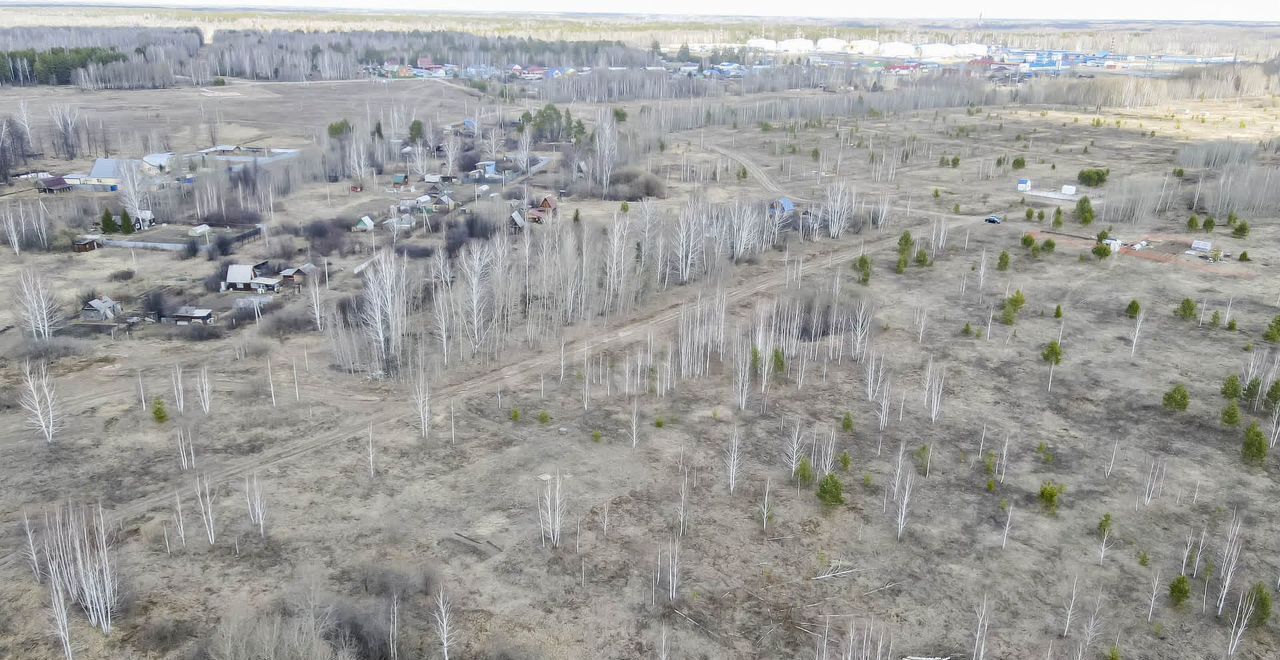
{"points": [[366, 515]]}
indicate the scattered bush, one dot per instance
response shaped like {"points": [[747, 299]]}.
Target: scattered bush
{"points": [[1177, 399], [1002, 264], [846, 461], [1244, 255], [1209, 225], [1179, 590], [1231, 414], [804, 472], [1101, 250], [1084, 211], [659, 422], [1133, 309], [830, 491], [1027, 239], [1187, 309], [1231, 387], [1241, 230], [1272, 333], [864, 270], [1193, 223], [1104, 525], [1261, 606], [1050, 494], [1019, 163], [846, 423], [1093, 177], [544, 417], [515, 414], [121, 275], [1057, 312], [1255, 444], [158, 412]]}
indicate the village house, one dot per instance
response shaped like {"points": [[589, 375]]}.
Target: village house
{"points": [[187, 315], [85, 244], [547, 209], [100, 309], [244, 277]]}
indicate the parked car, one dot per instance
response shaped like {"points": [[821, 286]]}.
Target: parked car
{"points": [[994, 220]]}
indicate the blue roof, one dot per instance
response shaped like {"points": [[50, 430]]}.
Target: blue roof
{"points": [[786, 204], [105, 168]]}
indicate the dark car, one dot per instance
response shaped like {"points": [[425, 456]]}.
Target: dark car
{"points": [[994, 220]]}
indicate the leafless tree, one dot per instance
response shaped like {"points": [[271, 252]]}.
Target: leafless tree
{"points": [[1245, 605], [980, 631], [1155, 591], [1092, 629], [551, 511], [31, 553], [1105, 544], [186, 451], [204, 498], [38, 305], [452, 150], [420, 391], [1008, 523], [444, 622], [58, 615], [257, 508], [204, 389], [315, 301], [66, 127], [1229, 558], [524, 147], [1070, 609], [766, 509], [904, 502], [605, 149], [179, 390], [733, 460], [792, 453], [133, 193], [39, 400], [1137, 326], [179, 524], [78, 552]]}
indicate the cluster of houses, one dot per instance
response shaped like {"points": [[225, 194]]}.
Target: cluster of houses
{"points": [[260, 279], [154, 170]]}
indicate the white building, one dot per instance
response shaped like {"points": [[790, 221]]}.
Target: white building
{"points": [[762, 44], [896, 49], [832, 45], [796, 46], [864, 46]]}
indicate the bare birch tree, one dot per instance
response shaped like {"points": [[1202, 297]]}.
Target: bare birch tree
{"points": [[38, 305], [39, 400]]}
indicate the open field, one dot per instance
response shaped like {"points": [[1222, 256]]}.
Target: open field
{"points": [[632, 406]]}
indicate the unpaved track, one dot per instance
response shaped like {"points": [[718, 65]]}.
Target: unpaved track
{"points": [[825, 256]]}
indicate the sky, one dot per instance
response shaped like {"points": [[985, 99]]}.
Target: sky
{"points": [[1183, 10]]}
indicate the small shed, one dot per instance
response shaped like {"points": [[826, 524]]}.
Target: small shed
{"points": [[198, 230], [365, 223], [782, 207], [1024, 185], [517, 222], [239, 278], [53, 185], [265, 284], [549, 206], [187, 315], [400, 179], [88, 244], [1068, 190], [100, 309], [299, 274]]}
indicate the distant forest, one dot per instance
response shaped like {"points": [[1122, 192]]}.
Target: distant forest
{"points": [[123, 58]]}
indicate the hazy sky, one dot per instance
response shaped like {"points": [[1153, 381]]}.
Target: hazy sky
{"points": [[1235, 10]]}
